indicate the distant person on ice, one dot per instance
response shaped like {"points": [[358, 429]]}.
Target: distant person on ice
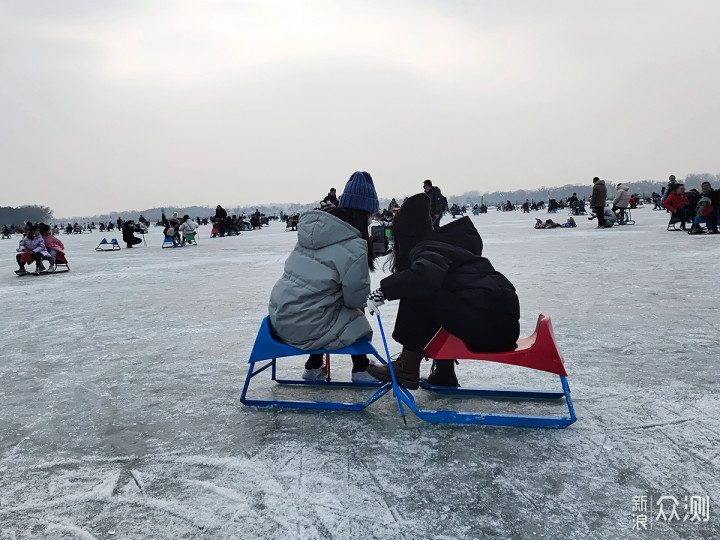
{"points": [[598, 199], [53, 245], [32, 243], [188, 226], [172, 227], [443, 281], [318, 303], [330, 199], [438, 203], [219, 219], [128, 229]]}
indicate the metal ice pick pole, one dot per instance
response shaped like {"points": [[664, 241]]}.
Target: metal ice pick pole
{"points": [[392, 373]]}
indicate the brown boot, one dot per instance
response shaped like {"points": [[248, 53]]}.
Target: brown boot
{"points": [[406, 368]]}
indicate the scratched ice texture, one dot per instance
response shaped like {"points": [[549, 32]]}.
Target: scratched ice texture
{"points": [[120, 414]]}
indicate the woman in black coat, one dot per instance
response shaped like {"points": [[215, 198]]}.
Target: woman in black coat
{"points": [[128, 229], [443, 281]]}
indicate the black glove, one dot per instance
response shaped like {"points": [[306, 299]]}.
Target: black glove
{"points": [[374, 300]]}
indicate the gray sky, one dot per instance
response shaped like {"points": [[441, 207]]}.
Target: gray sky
{"points": [[127, 105]]}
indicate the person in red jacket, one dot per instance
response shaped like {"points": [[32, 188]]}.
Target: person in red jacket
{"points": [[678, 204]]}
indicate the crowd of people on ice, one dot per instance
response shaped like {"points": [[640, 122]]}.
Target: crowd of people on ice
{"points": [[693, 207]]}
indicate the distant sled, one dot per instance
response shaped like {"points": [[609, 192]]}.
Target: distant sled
{"points": [[104, 245]]}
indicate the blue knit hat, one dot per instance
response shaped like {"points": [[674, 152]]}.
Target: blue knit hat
{"points": [[359, 193]]}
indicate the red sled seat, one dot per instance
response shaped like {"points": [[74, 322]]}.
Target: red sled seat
{"points": [[60, 260], [538, 351]]}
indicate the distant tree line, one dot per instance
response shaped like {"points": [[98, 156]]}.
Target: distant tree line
{"points": [[23, 214]]}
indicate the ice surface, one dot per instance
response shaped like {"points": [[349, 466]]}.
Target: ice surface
{"points": [[120, 413]]}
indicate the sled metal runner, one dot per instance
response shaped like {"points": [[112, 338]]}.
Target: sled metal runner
{"points": [[267, 350], [60, 260], [539, 351]]}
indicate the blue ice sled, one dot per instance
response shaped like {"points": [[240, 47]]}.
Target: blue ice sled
{"points": [[539, 352], [267, 349], [104, 245]]}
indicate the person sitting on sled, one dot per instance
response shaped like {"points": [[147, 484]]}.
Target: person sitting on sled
{"points": [[53, 245], [171, 227], [443, 281], [187, 227], [32, 243], [318, 303]]}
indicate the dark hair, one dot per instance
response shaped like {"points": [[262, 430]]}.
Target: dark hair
{"points": [[359, 220], [411, 224], [427, 183]]}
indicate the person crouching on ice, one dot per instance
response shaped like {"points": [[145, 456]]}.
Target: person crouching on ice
{"points": [[443, 281], [318, 303], [129, 229]]}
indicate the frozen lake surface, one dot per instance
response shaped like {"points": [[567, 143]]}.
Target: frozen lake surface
{"points": [[120, 385]]}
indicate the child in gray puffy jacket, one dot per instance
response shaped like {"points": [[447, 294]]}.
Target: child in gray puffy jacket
{"points": [[318, 302]]}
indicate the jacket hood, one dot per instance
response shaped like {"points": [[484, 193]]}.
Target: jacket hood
{"points": [[461, 233], [622, 187], [600, 182], [318, 229]]}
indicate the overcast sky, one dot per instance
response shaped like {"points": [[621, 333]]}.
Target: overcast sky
{"points": [[123, 105]]}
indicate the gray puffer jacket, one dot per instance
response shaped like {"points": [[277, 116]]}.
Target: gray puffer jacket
{"points": [[622, 199], [318, 303]]}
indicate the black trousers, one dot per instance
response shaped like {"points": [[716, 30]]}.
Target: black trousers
{"points": [[419, 319], [132, 240], [360, 362], [600, 213], [37, 258]]}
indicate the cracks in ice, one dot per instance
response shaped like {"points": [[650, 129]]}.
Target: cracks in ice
{"points": [[640, 426], [709, 323]]}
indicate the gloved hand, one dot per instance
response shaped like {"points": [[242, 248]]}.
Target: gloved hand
{"points": [[374, 300]]}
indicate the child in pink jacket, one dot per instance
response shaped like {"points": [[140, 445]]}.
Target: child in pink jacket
{"points": [[53, 245]]}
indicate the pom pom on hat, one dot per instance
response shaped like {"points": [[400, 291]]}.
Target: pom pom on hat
{"points": [[359, 193]]}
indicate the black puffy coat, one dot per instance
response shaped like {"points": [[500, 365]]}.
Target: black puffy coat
{"points": [[451, 259], [128, 228]]}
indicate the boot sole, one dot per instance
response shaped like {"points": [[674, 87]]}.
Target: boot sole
{"points": [[381, 376], [405, 383]]}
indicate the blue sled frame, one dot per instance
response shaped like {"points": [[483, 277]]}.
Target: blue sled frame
{"points": [[492, 419], [267, 350], [403, 395]]}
